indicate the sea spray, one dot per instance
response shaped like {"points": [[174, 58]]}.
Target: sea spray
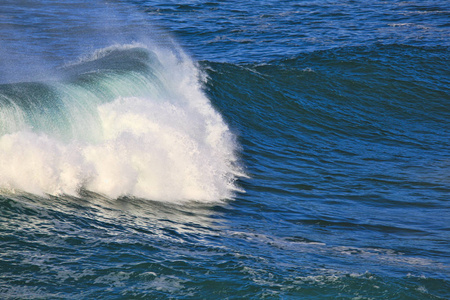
{"points": [[125, 121]]}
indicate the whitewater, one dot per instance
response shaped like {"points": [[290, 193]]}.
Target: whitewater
{"points": [[125, 121]]}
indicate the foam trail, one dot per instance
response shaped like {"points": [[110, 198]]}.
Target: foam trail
{"points": [[140, 127]]}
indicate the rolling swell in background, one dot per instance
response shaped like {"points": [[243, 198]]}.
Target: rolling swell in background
{"points": [[304, 156]]}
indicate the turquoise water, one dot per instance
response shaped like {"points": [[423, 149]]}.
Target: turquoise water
{"points": [[224, 150]]}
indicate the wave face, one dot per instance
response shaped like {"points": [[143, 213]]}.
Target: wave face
{"points": [[125, 121]]}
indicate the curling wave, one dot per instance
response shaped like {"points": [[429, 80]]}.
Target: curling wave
{"points": [[125, 121]]}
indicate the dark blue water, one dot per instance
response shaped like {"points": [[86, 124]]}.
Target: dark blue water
{"points": [[224, 150]]}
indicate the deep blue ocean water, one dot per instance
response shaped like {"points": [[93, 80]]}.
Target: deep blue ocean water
{"points": [[224, 149]]}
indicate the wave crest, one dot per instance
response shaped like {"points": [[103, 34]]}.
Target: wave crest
{"points": [[157, 135]]}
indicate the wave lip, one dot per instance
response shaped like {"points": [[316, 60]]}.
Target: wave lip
{"points": [[136, 123]]}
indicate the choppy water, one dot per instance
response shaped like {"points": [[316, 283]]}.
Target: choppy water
{"points": [[224, 150]]}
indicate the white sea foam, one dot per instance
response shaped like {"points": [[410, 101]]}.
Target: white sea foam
{"points": [[170, 148]]}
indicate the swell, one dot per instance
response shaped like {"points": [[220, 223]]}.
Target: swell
{"points": [[365, 125], [124, 121], [402, 81], [352, 139], [391, 94]]}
